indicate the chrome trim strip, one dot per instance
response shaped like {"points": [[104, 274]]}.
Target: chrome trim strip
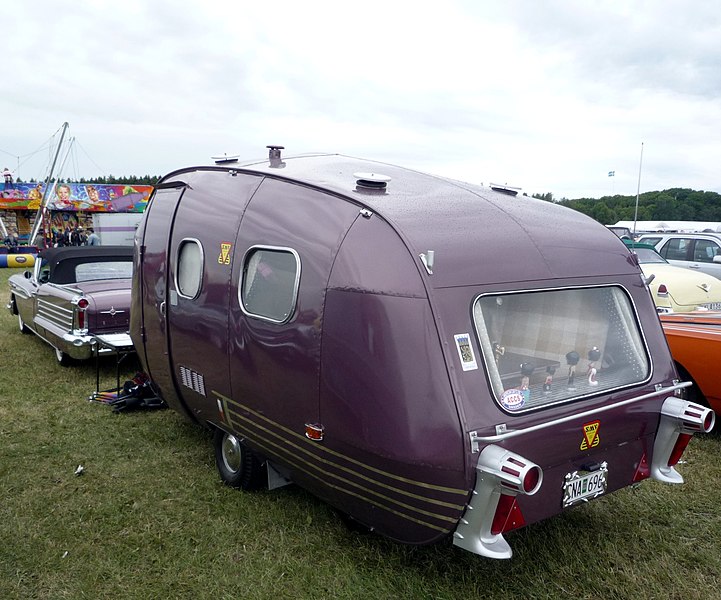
{"points": [[511, 433]]}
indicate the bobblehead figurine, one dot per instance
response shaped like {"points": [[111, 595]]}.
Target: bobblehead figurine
{"points": [[594, 354], [572, 359]]}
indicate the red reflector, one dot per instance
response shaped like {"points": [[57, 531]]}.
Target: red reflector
{"points": [[530, 481], [708, 421], [642, 471], [679, 447], [81, 319], [508, 515], [314, 432], [662, 290], [83, 303]]}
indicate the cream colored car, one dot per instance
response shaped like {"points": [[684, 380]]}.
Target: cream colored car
{"points": [[675, 289]]}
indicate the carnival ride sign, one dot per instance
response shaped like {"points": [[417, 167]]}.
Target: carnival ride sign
{"points": [[78, 197]]}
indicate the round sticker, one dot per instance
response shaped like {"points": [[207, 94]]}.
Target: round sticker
{"points": [[513, 399]]}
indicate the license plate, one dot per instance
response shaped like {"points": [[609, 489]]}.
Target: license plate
{"points": [[712, 306], [581, 486]]}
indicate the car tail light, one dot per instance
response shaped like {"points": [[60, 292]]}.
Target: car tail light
{"points": [[508, 515], [680, 419], [681, 442], [501, 476], [663, 291], [82, 304]]}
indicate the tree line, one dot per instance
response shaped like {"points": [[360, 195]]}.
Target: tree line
{"points": [[110, 179], [675, 204]]}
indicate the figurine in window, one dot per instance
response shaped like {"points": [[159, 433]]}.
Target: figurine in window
{"points": [[550, 372], [498, 351], [526, 372], [594, 354], [572, 359]]}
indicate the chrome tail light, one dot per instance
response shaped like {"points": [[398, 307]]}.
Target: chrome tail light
{"points": [[680, 419], [501, 475]]}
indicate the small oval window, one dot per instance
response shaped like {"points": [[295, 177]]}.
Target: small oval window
{"points": [[190, 268]]}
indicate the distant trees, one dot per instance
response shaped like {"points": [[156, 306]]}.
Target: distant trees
{"points": [[676, 204], [129, 180]]}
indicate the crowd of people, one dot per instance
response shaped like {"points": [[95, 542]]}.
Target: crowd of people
{"points": [[75, 237]]}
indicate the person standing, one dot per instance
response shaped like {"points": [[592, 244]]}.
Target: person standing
{"points": [[8, 175], [93, 238]]}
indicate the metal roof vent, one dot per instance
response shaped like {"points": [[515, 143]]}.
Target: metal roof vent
{"points": [[224, 158], [371, 182], [274, 157], [504, 188]]}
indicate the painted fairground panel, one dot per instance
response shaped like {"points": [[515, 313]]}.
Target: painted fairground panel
{"points": [[546, 347], [78, 197]]}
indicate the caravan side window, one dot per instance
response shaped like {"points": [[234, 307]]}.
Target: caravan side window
{"points": [[189, 270], [269, 283]]}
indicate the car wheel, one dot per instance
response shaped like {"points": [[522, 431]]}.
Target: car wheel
{"points": [[21, 323], [237, 465], [62, 358]]}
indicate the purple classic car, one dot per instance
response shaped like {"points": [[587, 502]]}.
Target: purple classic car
{"points": [[74, 295], [433, 358]]}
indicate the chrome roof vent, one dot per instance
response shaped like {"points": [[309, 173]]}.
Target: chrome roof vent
{"points": [[276, 162], [371, 181], [225, 159]]}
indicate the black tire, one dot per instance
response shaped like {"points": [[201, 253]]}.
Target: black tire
{"points": [[237, 465]]}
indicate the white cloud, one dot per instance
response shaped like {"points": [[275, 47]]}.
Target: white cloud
{"points": [[548, 96]]}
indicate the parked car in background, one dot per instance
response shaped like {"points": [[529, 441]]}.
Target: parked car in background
{"points": [[673, 288], [695, 341], [74, 294], [697, 251]]}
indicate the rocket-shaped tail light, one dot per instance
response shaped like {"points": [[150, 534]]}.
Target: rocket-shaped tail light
{"points": [[500, 477], [680, 419]]}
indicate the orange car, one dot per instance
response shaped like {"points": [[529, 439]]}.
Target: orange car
{"points": [[695, 342]]}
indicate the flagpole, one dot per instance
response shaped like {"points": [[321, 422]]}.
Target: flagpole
{"points": [[638, 191]]}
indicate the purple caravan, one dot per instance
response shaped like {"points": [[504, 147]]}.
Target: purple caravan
{"points": [[433, 358]]}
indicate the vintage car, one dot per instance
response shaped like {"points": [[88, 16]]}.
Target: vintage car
{"points": [[697, 251], [675, 289], [72, 296], [433, 358], [695, 342]]}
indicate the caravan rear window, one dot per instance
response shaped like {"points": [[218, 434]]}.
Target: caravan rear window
{"points": [[547, 347]]}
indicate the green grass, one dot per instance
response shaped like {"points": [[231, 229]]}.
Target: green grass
{"points": [[149, 517]]}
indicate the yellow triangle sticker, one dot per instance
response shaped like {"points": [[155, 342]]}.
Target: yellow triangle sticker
{"points": [[224, 256], [591, 439]]}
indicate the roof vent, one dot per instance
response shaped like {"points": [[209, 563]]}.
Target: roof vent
{"points": [[371, 181], [224, 158], [274, 157], [504, 188]]}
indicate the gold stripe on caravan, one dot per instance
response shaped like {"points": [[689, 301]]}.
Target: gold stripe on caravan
{"points": [[264, 445], [305, 440], [324, 461], [298, 462]]}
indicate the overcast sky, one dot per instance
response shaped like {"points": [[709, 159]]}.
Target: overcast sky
{"points": [[545, 95]]}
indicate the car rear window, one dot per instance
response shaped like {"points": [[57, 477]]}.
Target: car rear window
{"points": [[91, 271], [546, 347]]}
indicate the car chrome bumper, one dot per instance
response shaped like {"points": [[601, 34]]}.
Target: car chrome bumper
{"points": [[82, 346]]}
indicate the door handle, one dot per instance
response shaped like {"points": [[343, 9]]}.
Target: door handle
{"points": [[162, 309]]}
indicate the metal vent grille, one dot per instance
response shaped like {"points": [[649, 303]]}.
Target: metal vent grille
{"points": [[192, 379]]}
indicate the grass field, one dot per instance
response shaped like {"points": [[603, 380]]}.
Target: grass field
{"points": [[149, 517]]}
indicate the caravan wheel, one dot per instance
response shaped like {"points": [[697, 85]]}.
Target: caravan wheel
{"points": [[237, 465]]}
